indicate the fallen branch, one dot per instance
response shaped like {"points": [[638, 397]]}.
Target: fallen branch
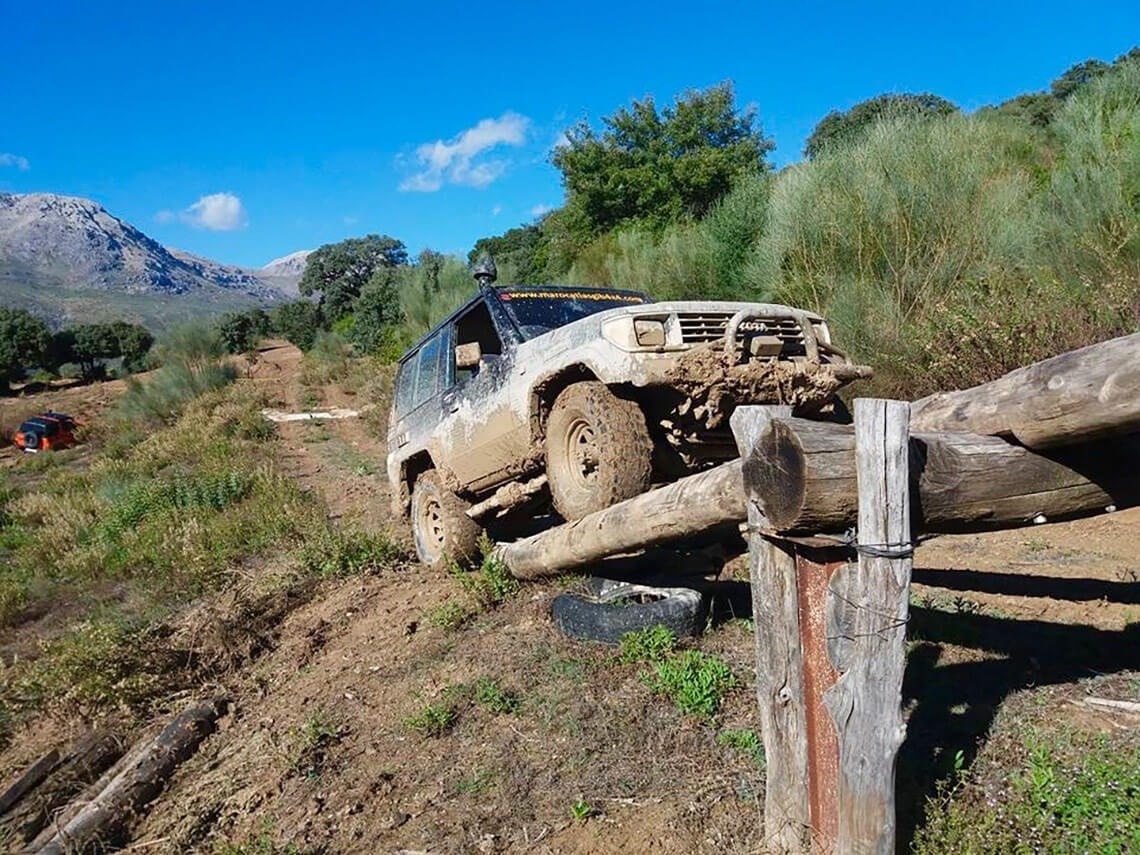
{"points": [[1108, 703], [138, 781]]}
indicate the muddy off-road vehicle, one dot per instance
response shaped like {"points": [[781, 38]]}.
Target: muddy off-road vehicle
{"points": [[584, 397]]}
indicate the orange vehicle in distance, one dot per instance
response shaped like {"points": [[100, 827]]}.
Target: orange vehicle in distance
{"points": [[45, 432]]}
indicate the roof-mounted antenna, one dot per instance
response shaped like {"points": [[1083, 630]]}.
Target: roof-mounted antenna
{"points": [[486, 272]]}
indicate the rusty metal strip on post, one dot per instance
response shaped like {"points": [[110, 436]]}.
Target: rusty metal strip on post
{"points": [[814, 569]]}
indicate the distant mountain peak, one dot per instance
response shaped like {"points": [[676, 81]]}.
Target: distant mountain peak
{"points": [[57, 249], [292, 264]]}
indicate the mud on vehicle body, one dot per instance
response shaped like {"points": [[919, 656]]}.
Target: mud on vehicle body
{"points": [[585, 397]]}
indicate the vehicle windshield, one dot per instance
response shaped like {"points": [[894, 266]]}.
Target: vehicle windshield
{"points": [[540, 310]]}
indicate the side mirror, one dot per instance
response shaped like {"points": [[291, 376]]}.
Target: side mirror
{"points": [[467, 356]]}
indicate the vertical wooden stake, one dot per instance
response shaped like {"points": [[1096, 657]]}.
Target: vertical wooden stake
{"points": [[867, 614], [779, 662]]}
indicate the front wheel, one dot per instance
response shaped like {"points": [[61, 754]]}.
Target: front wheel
{"points": [[598, 450], [440, 525]]}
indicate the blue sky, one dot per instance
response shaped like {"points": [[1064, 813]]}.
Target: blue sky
{"points": [[245, 132]]}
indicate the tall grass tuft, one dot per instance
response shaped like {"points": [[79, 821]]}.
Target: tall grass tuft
{"points": [[193, 363]]}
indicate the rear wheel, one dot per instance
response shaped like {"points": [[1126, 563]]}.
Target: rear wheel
{"points": [[598, 450], [440, 525]]}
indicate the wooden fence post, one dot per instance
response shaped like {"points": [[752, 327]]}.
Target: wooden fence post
{"points": [[866, 617], [779, 663]]}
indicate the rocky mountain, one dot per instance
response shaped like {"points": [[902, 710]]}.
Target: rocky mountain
{"points": [[66, 257], [285, 273]]}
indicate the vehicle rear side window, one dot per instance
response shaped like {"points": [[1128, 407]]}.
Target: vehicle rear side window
{"points": [[428, 373], [406, 385]]}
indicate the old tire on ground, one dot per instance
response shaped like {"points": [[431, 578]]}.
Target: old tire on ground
{"points": [[598, 450], [625, 607], [440, 525]]}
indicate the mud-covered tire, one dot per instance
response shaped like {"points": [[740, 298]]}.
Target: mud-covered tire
{"points": [[440, 525], [624, 607], [598, 450]]}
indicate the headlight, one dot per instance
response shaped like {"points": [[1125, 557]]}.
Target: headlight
{"points": [[633, 334], [649, 333]]}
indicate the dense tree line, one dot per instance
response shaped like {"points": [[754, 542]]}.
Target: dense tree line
{"points": [[26, 344]]}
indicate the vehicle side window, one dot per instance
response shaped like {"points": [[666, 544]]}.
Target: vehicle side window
{"points": [[428, 374], [476, 326], [406, 385]]}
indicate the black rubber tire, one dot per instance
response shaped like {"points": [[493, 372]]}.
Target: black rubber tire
{"points": [[623, 607], [32, 440], [440, 526], [598, 450]]}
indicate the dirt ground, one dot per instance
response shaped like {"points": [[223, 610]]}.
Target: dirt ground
{"points": [[315, 753]]}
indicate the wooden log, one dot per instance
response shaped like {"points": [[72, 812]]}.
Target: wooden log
{"points": [[692, 505], [86, 760], [1072, 398], [803, 475], [139, 782], [28, 780], [779, 667], [867, 609]]}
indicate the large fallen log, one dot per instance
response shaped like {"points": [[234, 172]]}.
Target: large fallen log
{"points": [[804, 474], [684, 508], [1072, 398], [805, 470], [137, 782]]}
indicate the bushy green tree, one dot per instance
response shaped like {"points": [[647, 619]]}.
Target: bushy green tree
{"points": [[339, 271], [240, 331], [844, 127], [659, 166], [298, 321], [24, 342], [91, 345], [135, 342], [1078, 76], [375, 313]]}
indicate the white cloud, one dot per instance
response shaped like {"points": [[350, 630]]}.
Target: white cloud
{"points": [[498, 209], [455, 161], [218, 212], [539, 210], [561, 141], [21, 163]]}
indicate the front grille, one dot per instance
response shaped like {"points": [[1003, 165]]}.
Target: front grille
{"points": [[704, 327]]}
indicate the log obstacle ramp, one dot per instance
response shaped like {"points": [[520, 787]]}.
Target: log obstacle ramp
{"points": [[833, 513]]}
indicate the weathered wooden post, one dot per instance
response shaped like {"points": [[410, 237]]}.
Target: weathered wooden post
{"points": [[867, 609], [779, 662], [830, 638]]}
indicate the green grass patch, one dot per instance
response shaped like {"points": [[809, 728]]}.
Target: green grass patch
{"points": [[747, 742], [432, 719], [490, 584], [494, 698], [653, 644], [449, 617], [1072, 793], [694, 680]]}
